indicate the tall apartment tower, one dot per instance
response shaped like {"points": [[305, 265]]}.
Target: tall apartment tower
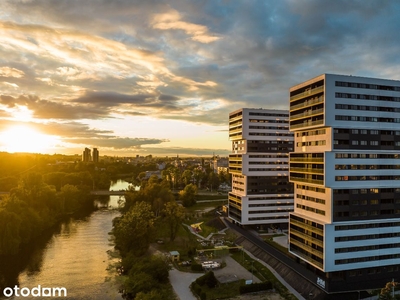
{"points": [[261, 192], [346, 174], [86, 155], [95, 155]]}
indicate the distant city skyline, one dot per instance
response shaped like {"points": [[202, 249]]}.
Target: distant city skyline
{"points": [[161, 77]]}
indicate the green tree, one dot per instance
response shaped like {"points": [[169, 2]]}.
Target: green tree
{"points": [[133, 230], [197, 175], [174, 215], [387, 292], [187, 177], [213, 180], [188, 195], [9, 232], [69, 198], [156, 194]]}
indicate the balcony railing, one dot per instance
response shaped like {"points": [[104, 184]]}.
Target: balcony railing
{"points": [[311, 159], [307, 237], [235, 118], [235, 165], [309, 259], [307, 124], [307, 103], [307, 93], [307, 248], [300, 179], [307, 227], [237, 130], [307, 114], [308, 170]]}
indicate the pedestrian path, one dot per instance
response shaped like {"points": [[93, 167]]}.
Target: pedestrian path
{"points": [[181, 281]]}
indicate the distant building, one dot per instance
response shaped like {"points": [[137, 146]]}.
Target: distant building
{"points": [[86, 155], [218, 162], [95, 155], [261, 191]]}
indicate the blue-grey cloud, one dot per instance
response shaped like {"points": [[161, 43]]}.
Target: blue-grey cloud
{"points": [[184, 60]]}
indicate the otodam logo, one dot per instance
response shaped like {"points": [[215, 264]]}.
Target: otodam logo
{"points": [[37, 291]]}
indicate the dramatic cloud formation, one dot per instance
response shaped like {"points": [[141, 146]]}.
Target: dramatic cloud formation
{"points": [[162, 76]]}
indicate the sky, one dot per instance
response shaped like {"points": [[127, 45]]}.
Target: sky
{"points": [[160, 77]]}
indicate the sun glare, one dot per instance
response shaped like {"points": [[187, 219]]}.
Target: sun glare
{"points": [[25, 139]]}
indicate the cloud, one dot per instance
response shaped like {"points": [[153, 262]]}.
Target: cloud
{"points": [[172, 21], [81, 134], [11, 72], [44, 109], [78, 62], [117, 142], [184, 151]]}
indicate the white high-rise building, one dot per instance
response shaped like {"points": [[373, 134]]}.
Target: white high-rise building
{"points": [[261, 192], [346, 175]]}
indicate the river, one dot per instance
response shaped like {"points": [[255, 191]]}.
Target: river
{"points": [[79, 256]]}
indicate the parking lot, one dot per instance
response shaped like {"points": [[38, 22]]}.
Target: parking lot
{"points": [[231, 272]]}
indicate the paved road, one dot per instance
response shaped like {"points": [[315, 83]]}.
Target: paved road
{"points": [[180, 282]]}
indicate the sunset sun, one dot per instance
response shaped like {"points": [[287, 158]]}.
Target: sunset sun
{"points": [[25, 139]]}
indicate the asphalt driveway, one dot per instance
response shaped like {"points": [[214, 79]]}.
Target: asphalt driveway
{"points": [[180, 281]]}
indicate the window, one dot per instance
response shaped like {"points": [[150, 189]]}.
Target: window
{"points": [[374, 143], [354, 142], [354, 131], [374, 132], [364, 143]]}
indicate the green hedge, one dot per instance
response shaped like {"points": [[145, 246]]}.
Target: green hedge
{"points": [[255, 287], [196, 267]]}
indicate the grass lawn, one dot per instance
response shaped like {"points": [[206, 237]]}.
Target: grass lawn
{"points": [[204, 206]]}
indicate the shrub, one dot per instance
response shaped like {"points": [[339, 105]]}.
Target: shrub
{"points": [[196, 288], [196, 267], [211, 281], [255, 287], [203, 296]]}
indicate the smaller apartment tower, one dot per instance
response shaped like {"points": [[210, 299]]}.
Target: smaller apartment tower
{"points": [[95, 155], [86, 155], [261, 192]]}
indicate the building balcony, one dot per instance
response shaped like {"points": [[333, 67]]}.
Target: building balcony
{"points": [[231, 165], [309, 160], [307, 248], [307, 227], [307, 237], [308, 170], [310, 92], [307, 124], [309, 259], [233, 131], [232, 204], [235, 118], [306, 114], [307, 103], [307, 180], [235, 171]]}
